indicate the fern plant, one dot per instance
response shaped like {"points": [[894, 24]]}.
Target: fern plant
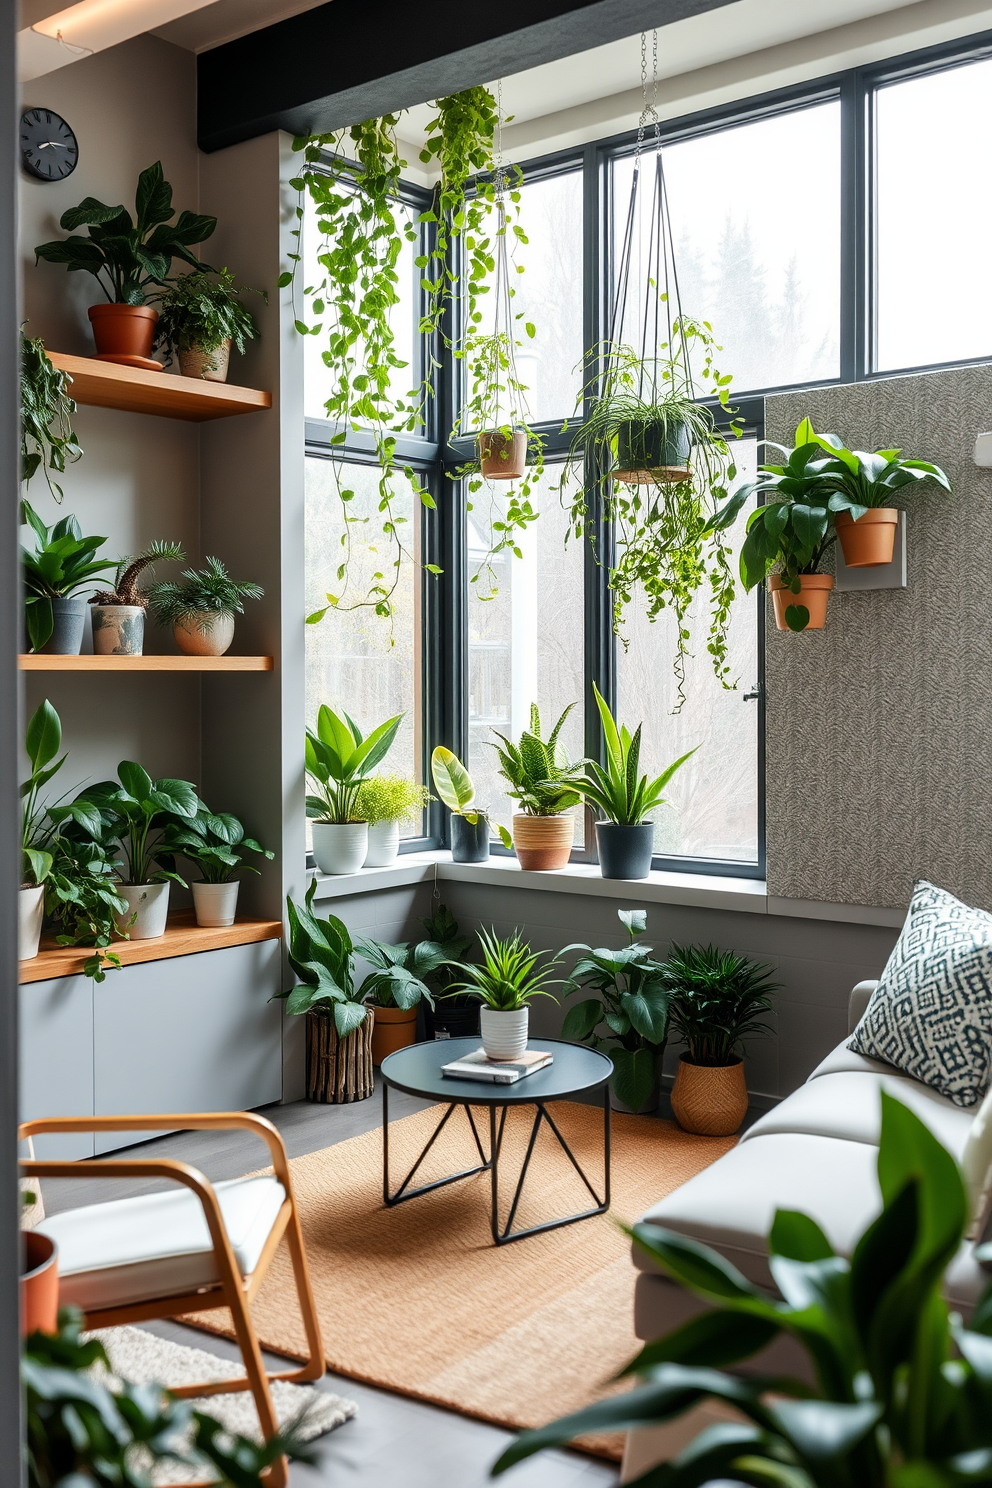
{"points": [[206, 591], [540, 777]]}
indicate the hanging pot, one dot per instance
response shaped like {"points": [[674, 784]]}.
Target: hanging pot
{"points": [[384, 845], [710, 1100], [871, 540], [149, 903], [647, 454], [339, 1070], [504, 1035], [30, 916], [394, 1028], [68, 626], [625, 851], [118, 630], [215, 903], [39, 1284], [340, 847], [469, 841], [814, 591], [205, 633], [543, 842], [125, 334], [502, 456], [208, 366]]}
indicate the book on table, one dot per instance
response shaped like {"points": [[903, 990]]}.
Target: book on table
{"points": [[478, 1066]]}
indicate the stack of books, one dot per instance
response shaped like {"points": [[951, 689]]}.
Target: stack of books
{"points": [[478, 1066]]}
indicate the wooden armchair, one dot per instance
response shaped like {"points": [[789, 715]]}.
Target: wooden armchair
{"points": [[187, 1250]]}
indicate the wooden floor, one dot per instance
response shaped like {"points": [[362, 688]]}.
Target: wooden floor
{"points": [[393, 1442]]}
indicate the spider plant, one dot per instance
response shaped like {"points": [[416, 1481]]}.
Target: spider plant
{"points": [[616, 789], [717, 1000], [511, 974]]}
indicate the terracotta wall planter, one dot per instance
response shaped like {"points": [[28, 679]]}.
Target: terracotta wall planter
{"points": [[814, 591], [208, 366], [338, 1070], [870, 540], [393, 1028], [543, 842], [503, 458], [39, 1284], [125, 334], [711, 1101]]}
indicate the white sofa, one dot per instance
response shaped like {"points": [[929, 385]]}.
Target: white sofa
{"points": [[816, 1152]]}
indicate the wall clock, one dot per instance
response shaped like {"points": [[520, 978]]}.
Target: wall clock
{"points": [[49, 150]]}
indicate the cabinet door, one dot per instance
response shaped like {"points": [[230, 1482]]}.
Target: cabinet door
{"points": [[193, 1033], [56, 1060]]}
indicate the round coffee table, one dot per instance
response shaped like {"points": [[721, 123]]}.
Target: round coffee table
{"points": [[417, 1071]]}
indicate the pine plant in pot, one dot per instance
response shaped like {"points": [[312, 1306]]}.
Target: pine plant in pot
{"points": [[119, 613], [200, 317], [48, 441], [546, 785], [627, 1018], [470, 829], [128, 256], [56, 573], [384, 801], [201, 609], [338, 759], [626, 838], [717, 1001], [216, 844], [510, 976], [395, 987]]}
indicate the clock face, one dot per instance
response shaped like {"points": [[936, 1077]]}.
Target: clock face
{"points": [[49, 151]]}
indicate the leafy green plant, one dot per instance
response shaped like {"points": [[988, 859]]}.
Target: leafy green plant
{"points": [[323, 957], [42, 742], [445, 937], [207, 591], [903, 1389], [632, 999], [399, 972], [61, 563], [389, 798], [215, 842], [127, 254], [510, 975], [617, 790], [718, 1000], [454, 785], [136, 812], [539, 776], [857, 481], [129, 571], [81, 896], [84, 1428], [201, 310], [48, 441], [338, 759]]}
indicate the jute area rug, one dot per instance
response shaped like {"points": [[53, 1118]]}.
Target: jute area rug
{"points": [[417, 1299]]}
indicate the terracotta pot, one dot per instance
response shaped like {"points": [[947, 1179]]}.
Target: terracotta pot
{"points": [[543, 842], [814, 590], [208, 633], [503, 457], [39, 1284], [709, 1100], [870, 540], [208, 366], [339, 1070], [394, 1028], [125, 334]]}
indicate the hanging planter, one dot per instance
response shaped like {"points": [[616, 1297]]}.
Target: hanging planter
{"points": [[805, 609], [502, 454], [652, 454]]}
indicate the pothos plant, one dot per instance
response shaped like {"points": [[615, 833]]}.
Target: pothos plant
{"points": [[48, 441]]}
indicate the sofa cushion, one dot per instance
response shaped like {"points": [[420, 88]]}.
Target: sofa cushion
{"points": [[931, 1013], [158, 1245], [849, 1106], [843, 1059]]}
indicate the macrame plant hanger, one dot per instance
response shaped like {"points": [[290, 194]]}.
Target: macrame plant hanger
{"points": [[660, 375]]}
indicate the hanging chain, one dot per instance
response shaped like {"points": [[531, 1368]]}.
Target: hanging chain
{"points": [[649, 105], [499, 173]]}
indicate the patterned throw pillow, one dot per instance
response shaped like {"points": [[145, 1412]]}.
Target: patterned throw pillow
{"points": [[931, 1013]]}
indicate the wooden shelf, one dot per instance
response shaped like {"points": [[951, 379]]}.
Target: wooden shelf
{"points": [[32, 662], [108, 385], [184, 937]]}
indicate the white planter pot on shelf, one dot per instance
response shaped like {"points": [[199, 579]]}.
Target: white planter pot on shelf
{"points": [[30, 913], [504, 1035], [150, 904], [215, 903], [207, 633], [340, 847], [384, 844]]}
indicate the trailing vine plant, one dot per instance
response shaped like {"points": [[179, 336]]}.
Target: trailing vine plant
{"points": [[48, 440]]}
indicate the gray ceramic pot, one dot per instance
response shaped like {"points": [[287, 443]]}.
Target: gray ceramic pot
{"points": [[69, 617], [469, 844], [625, 852]]}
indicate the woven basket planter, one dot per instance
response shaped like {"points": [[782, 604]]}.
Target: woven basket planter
{"points": [[708, 1100], [338, 1069]]}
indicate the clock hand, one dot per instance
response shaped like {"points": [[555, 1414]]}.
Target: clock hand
{"points": [[51, 145]]}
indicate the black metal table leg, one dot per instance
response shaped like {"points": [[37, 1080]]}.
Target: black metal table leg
{"points": [[404, 1191], [506, 1234]]}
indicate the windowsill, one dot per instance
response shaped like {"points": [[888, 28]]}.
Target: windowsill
{"points": [[699, 890]]}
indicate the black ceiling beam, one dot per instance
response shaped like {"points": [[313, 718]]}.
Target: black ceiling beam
{"points": [[339, 63]]}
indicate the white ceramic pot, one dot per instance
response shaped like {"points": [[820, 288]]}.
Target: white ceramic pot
{"points": [[118, 630], [340, 847], [384, 844], [215, 903], [30, 913], [150, 903], [208, 633], [504, 1035]]}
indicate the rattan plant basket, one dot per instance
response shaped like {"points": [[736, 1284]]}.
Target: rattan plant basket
{"points": [[338, 1069], [709, 1100]]}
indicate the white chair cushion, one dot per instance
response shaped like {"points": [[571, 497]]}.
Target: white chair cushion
{"points": [[844, 1060], [158, 1245]]}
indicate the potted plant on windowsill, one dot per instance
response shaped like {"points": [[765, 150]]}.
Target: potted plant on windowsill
{"points": [[384, 801], [337, 761], [509, 978], [201, 609], [48, 441], [199, 319], [214, 842], [395, 987], [716, 1001], [626, 839], [546, 786], [56, 572], [470, 827], [126, 255], [119, 613], [632, 1002]]}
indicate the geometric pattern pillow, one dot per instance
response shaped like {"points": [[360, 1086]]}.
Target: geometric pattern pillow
{"points": [[931, 1013]]}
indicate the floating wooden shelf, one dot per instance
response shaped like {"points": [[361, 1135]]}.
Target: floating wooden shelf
{"points": [[39, 662], [108, 385], [184, 937]]}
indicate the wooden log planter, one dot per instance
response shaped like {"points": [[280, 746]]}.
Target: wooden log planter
{"points": [[338, 1069]]}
